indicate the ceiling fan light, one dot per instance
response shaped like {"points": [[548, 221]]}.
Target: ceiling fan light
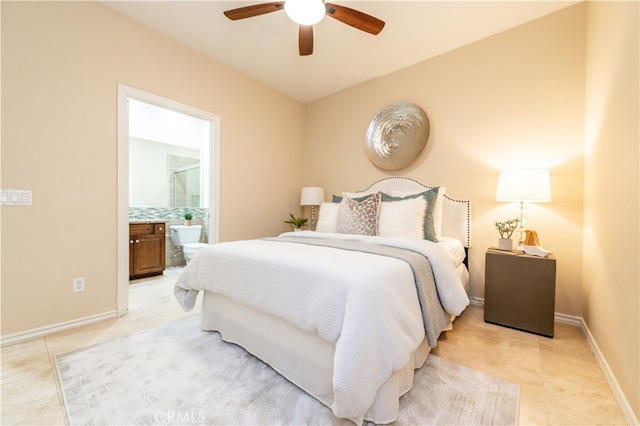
{"points": [[305, 12]]}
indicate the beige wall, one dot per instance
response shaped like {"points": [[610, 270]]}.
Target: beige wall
{"points": [[612, 186], [61, 63], [512, 100]]}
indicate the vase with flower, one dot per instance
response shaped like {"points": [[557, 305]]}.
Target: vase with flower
{"points": [[187, 217], [506, 229], [296, 222]]}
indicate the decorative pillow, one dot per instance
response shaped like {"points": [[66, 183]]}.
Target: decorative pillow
{"points": [[328, 217], [353, 195], [437, 211], [430, 197], [359, 218], [402, 219]]}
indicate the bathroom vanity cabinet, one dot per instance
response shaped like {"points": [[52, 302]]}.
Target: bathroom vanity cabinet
{"points": [[146, 249]]}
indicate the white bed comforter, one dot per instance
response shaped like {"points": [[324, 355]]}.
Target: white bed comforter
{"points": [[365, 304]]}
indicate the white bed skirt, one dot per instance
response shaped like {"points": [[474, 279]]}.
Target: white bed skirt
{"points": [[303, 358]]}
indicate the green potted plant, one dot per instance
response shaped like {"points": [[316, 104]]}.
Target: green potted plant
{"points": [[506, 229], [187, 217], [296, 222]]}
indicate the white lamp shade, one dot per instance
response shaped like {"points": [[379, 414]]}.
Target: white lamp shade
{"points": [[305, 12], [312, 196], [531, 185]]}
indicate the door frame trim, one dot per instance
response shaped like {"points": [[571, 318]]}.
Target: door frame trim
{"points": [[122, 204]]}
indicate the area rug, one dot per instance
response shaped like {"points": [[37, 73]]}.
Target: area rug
{"points": [[179, 374]]}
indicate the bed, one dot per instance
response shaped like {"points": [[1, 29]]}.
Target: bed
{"points": [[346, 312]]}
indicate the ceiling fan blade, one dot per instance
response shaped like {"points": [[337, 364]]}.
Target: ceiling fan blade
{"points": [[305, 40], [356, 19], [253, 10]]}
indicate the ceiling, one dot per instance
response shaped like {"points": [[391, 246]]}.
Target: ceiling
{"points": [[265, 47]]}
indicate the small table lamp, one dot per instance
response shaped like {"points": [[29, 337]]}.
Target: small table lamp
{"points": [[524, 185], [312, 196]]}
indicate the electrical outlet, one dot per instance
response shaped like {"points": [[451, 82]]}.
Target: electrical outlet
{"points": [[78, 284]]}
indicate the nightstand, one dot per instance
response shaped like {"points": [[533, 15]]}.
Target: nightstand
{"points": [[520, 291]]}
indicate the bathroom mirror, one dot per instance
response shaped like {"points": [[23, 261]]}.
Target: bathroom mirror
{"points": [[166, 149]]}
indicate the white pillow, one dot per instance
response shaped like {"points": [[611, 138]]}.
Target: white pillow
{"points": [[437, 210], [402, 219], [328, 217]]}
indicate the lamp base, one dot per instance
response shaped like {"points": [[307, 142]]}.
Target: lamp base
{"points": [[521, 219]]}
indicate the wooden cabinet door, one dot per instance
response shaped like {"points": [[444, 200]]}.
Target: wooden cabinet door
{"points": [[148, 254]]}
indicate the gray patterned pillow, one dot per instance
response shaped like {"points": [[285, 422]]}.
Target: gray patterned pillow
{"points": [[358, 217]]}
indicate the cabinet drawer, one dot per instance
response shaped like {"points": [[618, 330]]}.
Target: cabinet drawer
{"points": [[146, 228], [140, 229]]}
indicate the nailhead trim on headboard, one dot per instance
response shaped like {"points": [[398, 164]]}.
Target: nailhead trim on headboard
{"points": [[401, 183]]}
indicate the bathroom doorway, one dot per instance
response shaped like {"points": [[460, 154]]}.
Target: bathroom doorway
{"points": [[184, 141]]}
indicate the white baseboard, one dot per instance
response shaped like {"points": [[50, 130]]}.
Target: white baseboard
{"points": [[569, 319], [478, 301], [54, 328], [621, 399]]}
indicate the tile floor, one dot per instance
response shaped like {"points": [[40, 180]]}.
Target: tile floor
{"points": [[560, 381]]}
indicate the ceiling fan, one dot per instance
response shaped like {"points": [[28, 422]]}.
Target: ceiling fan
{"points": [[306, 13]]}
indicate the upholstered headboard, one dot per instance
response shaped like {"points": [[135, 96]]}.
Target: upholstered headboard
{"points": [[456, 214]]}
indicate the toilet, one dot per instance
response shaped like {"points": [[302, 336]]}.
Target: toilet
{"points": [[190, 250], [187, 239]]}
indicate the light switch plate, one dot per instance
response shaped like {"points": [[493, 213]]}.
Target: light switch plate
{"points": [[16, 197]]}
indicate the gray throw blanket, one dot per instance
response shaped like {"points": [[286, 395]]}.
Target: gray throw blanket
{"points": [[434, 317]]}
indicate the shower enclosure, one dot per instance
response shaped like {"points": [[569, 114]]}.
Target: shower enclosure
{"points": [[185, 181]]}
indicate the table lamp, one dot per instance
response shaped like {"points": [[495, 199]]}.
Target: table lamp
{"points": [[524, 186], [312, 196]]}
